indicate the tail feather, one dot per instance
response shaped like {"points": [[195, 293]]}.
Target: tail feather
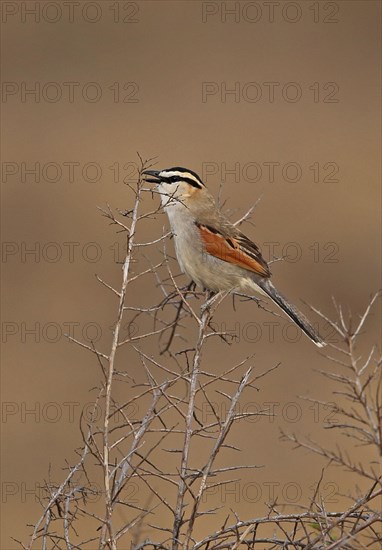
{"points": [[292, 312]]}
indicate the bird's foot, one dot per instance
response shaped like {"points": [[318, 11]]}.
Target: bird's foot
{"points": [[210, 300], [213, 297]]}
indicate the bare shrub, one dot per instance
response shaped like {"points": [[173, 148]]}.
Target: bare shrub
{"points": [[121, 451]]}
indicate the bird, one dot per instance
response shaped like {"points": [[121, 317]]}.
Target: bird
{"points": [[211, 250]]}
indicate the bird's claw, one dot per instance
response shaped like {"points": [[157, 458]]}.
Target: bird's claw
{"points": [[213, 296]]}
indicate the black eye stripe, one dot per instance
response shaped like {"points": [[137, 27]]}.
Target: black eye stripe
{"points": [[192, 182], [177, 179], [185, 171]]}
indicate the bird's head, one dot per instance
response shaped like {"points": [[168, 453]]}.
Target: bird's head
{"points": [[176, 185]]}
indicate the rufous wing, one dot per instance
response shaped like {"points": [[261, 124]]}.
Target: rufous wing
{"points": [[238, 249]]}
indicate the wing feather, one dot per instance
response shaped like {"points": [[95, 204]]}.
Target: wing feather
{"points": [[235, 249]]}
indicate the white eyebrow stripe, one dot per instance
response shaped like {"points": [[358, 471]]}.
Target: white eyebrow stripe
{"points": [[167, 174]]}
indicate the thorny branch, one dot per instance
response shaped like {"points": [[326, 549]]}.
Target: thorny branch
{"points": [[162, 416]]}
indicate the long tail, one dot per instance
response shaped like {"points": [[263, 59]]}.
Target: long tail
{"points": [[292, 312]]}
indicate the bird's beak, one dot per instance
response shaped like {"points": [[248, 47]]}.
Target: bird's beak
{"points": [[153, 174]]}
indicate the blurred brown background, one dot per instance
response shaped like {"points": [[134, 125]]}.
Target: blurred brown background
{"points": [[279, 101]]}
